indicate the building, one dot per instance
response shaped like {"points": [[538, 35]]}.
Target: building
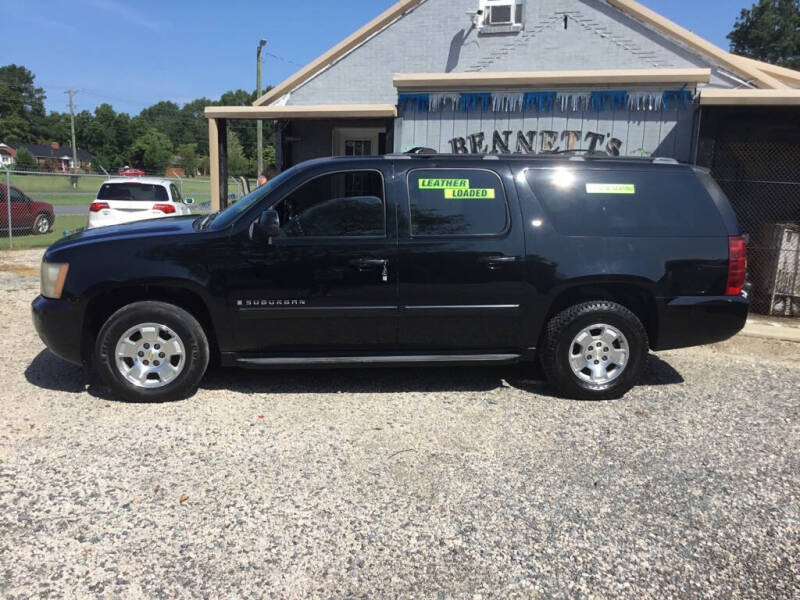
{"points": [[50, 157], [531, 76], [7, 155]]}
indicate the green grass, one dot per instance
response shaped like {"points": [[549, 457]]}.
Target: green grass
{"points": [[28, 240], [57, 190]]}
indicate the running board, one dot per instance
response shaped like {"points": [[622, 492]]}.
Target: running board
{"points": [[409, 359]]}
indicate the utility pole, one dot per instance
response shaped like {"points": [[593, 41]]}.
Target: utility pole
{"points": [[72, 126], [259, 123]]}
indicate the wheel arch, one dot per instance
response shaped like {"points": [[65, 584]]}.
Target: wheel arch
{"points": [[103, 304], [635, 295]]}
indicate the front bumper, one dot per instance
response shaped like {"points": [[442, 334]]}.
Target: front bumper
{"points": [[697, 320], [59, 324]]}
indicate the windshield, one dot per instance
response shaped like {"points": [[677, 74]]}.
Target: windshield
{"points": [[230, 214], [133, 191]]}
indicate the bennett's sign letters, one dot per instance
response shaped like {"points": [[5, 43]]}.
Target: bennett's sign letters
{"points": [[533, 142]]}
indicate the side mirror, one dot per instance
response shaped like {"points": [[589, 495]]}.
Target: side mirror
{"points": [[188, 200], [268, 225]]}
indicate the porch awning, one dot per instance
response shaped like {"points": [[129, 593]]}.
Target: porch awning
{"points": [[321, 111], [494, 80], [782, 97]]}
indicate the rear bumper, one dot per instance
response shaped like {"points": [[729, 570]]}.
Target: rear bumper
{"points": [[59, 324], [105, 218], [697, 320]]}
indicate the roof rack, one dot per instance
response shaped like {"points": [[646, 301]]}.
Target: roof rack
{"points": [[569, 155]]}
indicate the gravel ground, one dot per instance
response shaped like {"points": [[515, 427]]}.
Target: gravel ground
{"points": [[413, 483]]}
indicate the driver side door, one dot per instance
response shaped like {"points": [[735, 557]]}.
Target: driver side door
{"points": [[328, 283]]}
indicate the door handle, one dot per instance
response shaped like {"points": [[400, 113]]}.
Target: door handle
{"points": [[369, 264], [373, 264], [497, 262]]}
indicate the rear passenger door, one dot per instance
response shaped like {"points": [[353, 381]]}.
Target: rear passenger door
{"points": [[461, 260]]}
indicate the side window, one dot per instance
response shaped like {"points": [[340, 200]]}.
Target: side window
{"points": [[620, 202], [176, 195], [456, 202], [346, 204], [17, 196]]}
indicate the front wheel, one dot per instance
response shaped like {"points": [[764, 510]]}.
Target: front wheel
{"points": [[151, 352], [595, 351], [41, 225]]}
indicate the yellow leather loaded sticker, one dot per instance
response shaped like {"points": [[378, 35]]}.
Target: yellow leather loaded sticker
{"points": [[443, 184], [477, 193]]}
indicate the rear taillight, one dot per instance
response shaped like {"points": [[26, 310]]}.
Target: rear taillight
{"points": [[167, 209], [97, 206], [737, 265]]}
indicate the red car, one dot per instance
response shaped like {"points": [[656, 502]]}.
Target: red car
{"points": [[130, 172], [26, 214]]}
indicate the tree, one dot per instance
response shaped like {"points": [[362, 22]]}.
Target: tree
{"points": [[25, 161], [238, 163], [769, 31], [188, 158], [56, 128], [152, 151], [196, 124], [245, 130], [22, 112]]}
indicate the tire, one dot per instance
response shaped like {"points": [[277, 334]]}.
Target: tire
{"points": [[41, 225], [151, 352], [571, 340]]}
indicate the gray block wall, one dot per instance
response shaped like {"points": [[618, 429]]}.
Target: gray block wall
{"points": [[437, 37]]}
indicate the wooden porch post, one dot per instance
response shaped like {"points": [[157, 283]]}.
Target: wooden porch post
{"points": [[213, 163], [222, 140], [218, 163]]}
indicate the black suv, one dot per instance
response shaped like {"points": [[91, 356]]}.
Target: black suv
{"points": [[584, 263]]}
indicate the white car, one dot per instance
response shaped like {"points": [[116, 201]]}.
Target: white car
{"points": [[122, 200]]}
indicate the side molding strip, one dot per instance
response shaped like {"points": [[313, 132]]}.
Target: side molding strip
{"points": [[380, 360]]}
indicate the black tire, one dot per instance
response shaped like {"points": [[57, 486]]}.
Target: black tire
{"points": [[190, 333], [564, 327], [42, 224]]}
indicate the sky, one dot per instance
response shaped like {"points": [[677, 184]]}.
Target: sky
{"points": [[134, 53]]}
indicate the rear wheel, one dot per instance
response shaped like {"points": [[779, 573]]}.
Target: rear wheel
{"points": [[595, 351], [42, 224], [151, 351]]}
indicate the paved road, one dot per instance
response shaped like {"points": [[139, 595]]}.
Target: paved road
{"points": [[387, 483], [72, 210]]}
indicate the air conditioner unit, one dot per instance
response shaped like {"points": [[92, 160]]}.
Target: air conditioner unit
{"points": [[501, 12]]}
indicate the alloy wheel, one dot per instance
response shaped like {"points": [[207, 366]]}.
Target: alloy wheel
{"points": [[150, 355], [599, 354]]}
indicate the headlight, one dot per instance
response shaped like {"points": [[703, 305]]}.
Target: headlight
{"points": [[53, 277]]}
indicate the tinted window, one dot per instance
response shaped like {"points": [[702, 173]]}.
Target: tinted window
{"points": [[230, 214], [456, 202], [133, 191], [349, 204], [17, 196], [626, 202], [176, 195]]}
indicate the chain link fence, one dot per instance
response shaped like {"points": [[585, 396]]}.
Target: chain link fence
{"points": [[762, 181], [70, 196]]}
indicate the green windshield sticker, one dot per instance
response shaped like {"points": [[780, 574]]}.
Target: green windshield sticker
{"points": [[479, 193], [442, 184], [610, 188]]}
